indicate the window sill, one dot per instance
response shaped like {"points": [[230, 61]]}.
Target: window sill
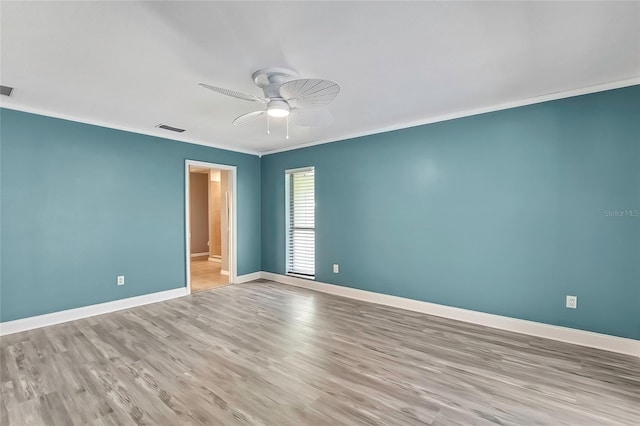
{"points": [[304, 277]]}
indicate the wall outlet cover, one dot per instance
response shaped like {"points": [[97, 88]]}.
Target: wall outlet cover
{"points": [[336, 268], [120, 280], [572, 302]]}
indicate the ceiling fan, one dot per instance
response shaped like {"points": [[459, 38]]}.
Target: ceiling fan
{"points": [[285, 96]]}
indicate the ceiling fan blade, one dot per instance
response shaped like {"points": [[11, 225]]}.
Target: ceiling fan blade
{"points": [[248, 118], [315, 117], [234, 94], [309, 92]]}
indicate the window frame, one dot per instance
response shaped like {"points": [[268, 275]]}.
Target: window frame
{"points": [[288, 226]]}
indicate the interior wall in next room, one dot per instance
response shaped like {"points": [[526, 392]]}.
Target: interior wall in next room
{"points": [[199, 212]]}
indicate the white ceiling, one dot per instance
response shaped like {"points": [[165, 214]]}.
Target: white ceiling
{"points": [[134, 65]]}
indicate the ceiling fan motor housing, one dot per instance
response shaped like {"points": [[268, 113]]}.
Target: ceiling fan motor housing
{"points": [[270, 80], [266, 76]]}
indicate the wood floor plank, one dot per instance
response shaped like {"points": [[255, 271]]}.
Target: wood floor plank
{"points": [[263, 353]]}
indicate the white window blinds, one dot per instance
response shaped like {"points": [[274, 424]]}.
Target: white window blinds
{"points": [[301, 232]]}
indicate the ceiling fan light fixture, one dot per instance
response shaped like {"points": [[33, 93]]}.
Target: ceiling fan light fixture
{"points": [[285, 96], [278, 109]]}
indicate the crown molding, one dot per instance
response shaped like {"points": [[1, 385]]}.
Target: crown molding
{"points": [[428, 120], [147, 132], [468, 113]]}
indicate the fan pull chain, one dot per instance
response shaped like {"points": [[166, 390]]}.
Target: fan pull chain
{"points": [[287, 127], [268, 131]]}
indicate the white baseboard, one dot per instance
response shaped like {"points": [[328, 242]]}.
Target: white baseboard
{"points": [[223, 272], [248, 277], [206, 253], [24, 324], [215, 259], [564, 334]]}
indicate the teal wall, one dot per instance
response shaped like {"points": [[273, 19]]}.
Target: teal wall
{"points": [[502, 213], [82, 204]]}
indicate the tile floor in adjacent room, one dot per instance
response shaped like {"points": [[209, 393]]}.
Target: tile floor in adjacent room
{"points": [[206, 275]]}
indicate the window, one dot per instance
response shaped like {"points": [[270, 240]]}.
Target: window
{"points": [[301, 222]]}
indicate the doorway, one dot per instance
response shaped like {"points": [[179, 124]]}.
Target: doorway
{"points": [[210, 225]]}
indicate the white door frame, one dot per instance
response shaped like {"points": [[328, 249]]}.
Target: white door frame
{"points": [[233, 216]]}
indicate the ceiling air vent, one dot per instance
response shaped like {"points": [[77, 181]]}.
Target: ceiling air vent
{"points": [[173, 129], [6, 90]]}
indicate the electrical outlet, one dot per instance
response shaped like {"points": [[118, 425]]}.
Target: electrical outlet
{"points": [[572, 302], [336, 268], [120, 280]]}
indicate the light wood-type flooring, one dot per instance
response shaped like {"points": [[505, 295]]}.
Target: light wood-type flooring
{"points": [[268, 354], [206, 275]]}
